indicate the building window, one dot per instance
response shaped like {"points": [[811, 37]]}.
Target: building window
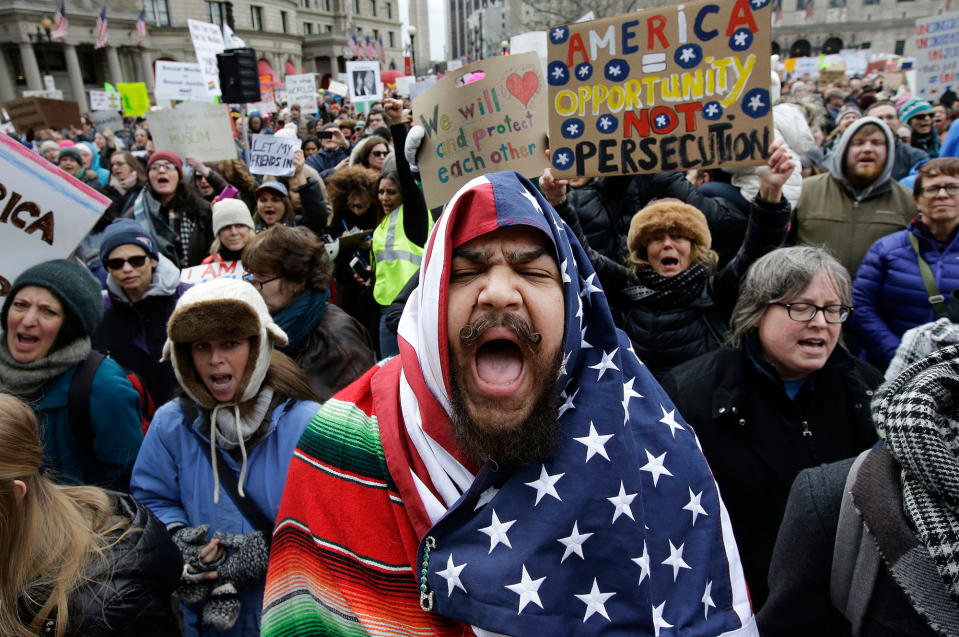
{"points": [[158, 12], [376, 34], [306, 4], [307, 28], [900, 46], [356, 6], [389, 10], [870, 1], [392, 40], [283, 21], [256, 16], [373, 8], [329, 28], [327, 6], [214, 12]]}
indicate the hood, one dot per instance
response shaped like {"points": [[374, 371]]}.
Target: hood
{"points": [[835, 161], [166, 280]]}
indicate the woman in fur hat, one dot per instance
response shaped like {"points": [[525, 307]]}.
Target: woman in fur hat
{"points": [[677, 306], [214, 461]]}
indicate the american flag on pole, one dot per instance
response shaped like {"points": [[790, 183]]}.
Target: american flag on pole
{"points": [[369, 49], [141, 27], [380, 53], [60, 23], [354, 45], [102, 33]]}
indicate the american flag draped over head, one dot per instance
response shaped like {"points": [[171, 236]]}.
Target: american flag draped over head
{"points": [[141, 27], [60, 23], [102, 33], [622, 530]]}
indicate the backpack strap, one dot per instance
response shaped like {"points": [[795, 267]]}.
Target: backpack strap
{"points": [[78, 399], [936, 299]]}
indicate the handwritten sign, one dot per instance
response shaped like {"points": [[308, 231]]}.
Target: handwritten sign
{"points": [[207, 42], [670, 88], [363, 78], [194, 130], [495, 122], [301, 89], [180, 81], [40, 112], [104, 101], [937, 56], [136, 101], [271, 155], [45, 211], [106, 120], [338, 88], [214, 270]]}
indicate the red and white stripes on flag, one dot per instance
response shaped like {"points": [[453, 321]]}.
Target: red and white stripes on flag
{"points": [[102, 33], [60, 23], [141, 27]]}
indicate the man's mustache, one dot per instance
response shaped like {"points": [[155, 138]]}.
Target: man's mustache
{"points": [[472, 332]]}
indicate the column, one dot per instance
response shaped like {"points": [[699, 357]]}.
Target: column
{"points": [[30, 69], [76, 78], [7, 90], [113, 62], [147, 68]]}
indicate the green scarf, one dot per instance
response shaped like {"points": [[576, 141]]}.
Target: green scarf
{"points": [[300, 318]]}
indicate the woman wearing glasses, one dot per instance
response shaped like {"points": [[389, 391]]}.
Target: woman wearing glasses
{"points": [[782, 396], [371, 153], [890, 292]]}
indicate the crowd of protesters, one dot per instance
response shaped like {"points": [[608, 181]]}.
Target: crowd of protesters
{"points": [[769, 303]]}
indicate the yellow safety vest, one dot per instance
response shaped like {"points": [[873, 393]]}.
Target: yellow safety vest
{"points": [[395, 257]]}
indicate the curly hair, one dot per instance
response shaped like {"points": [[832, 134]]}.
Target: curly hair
{"points": [[235, 172], [352, 179]]}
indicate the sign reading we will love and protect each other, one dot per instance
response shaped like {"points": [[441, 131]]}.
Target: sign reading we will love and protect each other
{"points": [[671, 88]]}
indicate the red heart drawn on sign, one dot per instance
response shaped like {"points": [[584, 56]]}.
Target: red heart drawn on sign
{"points": [[523, 88]]}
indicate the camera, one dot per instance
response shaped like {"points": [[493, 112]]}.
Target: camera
{"points": [[325, 134]]}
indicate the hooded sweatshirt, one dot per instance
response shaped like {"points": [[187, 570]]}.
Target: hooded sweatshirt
{"points": [[846, 218]]}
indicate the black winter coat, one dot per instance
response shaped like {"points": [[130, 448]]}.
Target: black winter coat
{"points": [[337, 352], [605, 206], [757, 440]]}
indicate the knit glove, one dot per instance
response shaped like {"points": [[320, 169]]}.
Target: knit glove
{"points": [[247, 559], [192, 587], [223, 608]]}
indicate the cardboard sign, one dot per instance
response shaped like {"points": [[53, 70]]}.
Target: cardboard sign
{"points": [[301, 89], [670, 88], [495, 122], [136, 101], [831, 76], [194, 130], [271, 155], [339, 88], [210, 271], [104, 101], [180, 81], [937, 56], [207, 42], [104, 120], [40, 112], [363, 77], [45, 211]]}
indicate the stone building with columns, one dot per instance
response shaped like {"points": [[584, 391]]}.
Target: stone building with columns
{"points": [[288, 35]]}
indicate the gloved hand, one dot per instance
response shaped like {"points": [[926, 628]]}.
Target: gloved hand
{"points": [[222, 610], [413, 140], [190, 539], [247, 558]]}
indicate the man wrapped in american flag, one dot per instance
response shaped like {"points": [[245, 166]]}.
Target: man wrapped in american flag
{"points": [[516, 470]]}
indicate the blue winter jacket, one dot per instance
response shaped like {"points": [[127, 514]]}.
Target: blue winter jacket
{"points": [[889, 296], [108, 459], [174, 478]]}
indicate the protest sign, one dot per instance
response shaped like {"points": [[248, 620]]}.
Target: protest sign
{"points": [[670, 88], [40, 112], [180, 81], [214, 270], [263, 108], [339, 88], [363, 78], [855, 60], [53, 94], [207, 42], [136, 101], [495, 122], [266, 88], [403, 84], [44, 212], [103, 120], [808, 66], [937, 56], [831, 76], [104, 101], [271, 155], [194, 130], [418, 88], [301, 89]]}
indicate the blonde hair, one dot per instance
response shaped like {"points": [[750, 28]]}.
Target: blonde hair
{"points": [[51, 537]]}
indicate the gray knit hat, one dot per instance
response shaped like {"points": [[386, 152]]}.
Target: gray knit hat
{"points": [[230, 212], [77, 290], [73, 153]]}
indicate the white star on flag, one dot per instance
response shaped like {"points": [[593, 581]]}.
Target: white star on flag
{"points": [[655, 466], [643, 562], [497, 532], [669, 418], [572, 128], [628, 393], [568, 403], [562, 158], [756, 102], [694, 506], [661, 121], [583, 343], [622, 501], [533, 201], [740, 38], [712, 109], [545, 485], [452, 575], [485, 497], [615, 70], [574, 543], [707, 599], [606, 363], [675, 559], [687, 54], [562, 267], [558, 72], [562, 366], [527, 589], [595, 444], [582, 71], [595, 602], [658, 621], [588, 287]]}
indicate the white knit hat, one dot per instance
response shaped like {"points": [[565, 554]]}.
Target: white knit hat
{"points": [[230, 212], [288, 131]]}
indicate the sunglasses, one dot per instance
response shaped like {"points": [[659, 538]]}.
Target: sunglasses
{"points": [[923, 116], [380, 153], [117, 264]]}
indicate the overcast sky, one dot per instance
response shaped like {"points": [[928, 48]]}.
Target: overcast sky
{"points": [[437, 14]]}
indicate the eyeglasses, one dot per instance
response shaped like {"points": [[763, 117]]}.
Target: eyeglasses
{"points": [[161, 165], [259, 284], [805, 312], [379, 153], [933, 191], [357, 206], [117, 263]]}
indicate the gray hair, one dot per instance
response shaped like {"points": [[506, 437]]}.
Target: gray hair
{"points": [[779, 277]]}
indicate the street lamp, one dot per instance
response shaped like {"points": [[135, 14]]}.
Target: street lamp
{"points": [[412, 31], [42, 36], [505, 46]]}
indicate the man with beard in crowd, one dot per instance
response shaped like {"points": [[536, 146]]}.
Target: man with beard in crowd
{"points": [[515, 470], [856, 201]]}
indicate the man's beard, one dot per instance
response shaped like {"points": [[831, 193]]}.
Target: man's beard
{"points": [[538, 435]]}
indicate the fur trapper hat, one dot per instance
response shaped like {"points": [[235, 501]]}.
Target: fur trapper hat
{"points": [[221, 309], [668, 216]]}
